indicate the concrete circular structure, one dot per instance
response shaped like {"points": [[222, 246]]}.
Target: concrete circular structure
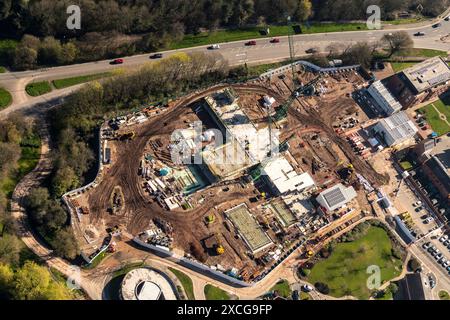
{"points": [[146, 284]]}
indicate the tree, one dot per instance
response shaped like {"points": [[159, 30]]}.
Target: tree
{"points": [[393, 288], [322, 287], [69, 52], [6, 277], [50, 52], [65, 244], [414, 265], [359, 53], [24, 58], [10, 247], [397, 41], [31, 282], [304, 10]]}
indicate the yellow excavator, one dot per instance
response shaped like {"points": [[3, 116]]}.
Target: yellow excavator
{"points": [[218, 247]]}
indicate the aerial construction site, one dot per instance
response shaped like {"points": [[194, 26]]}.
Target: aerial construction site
{"points": [[200, 176]]}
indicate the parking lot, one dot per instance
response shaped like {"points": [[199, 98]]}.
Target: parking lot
{"points": [[439, 249]]}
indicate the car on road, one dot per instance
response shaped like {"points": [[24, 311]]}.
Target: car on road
{"points": [[445, 263], [307, 288], [437, 25], [426, 245], [117, 61], [443, 238], [214, 47], [275, 40], [432, 283], [295, 295], [417, 203], [438, 256], [156, 56], [447, 18], [251, 43], [446, 243], [419, 34], [311, 50]]}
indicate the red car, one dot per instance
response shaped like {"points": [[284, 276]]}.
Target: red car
{"points": [[117, 61], [251, 43], [275, 40]]}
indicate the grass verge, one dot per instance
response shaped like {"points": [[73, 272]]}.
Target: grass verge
{"points": [[68, 82], [186, 282], [214, 293], [283, 289], [437, 124], [345, 270], [5, 98], [38, 88], [443, 295]]}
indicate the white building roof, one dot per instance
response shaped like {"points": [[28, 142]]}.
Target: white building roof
{"points": [[284, 177], [396, 128], [336, 197], [428, 73], [146, 284], [384, 98]]}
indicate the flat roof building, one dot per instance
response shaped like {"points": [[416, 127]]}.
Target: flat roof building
{"points": [[282, 177], [427, 74], [396, 129], [252, 234], [384, 99], [336, 197]]}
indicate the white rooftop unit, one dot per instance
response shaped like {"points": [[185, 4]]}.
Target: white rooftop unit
{"points": [[284, 178], [336, 197], [384, 99], [396, 128]]}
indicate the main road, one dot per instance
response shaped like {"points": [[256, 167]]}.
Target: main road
{"points": [[235, 52]]}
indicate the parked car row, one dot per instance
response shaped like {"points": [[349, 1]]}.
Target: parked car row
{"points": [[437, 254]]}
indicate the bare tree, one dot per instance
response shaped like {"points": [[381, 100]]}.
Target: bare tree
{"points": [[397, 41]]}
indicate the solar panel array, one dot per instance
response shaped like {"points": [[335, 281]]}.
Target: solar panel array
{"points": [[334, 197]]}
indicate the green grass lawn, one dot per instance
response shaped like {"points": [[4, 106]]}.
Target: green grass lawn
{"points": [[38, 88], [5, 98], [283, 288], [399, 66], [186, 282], [345, 270], [214, 293], [29, 158], [220, 36], [419, 52], [68, 82], [436, 123], [443, 295], [404, 21]]}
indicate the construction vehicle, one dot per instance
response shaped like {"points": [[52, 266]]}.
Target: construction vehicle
{"points": [[218, 246], [127, 136], [210, 219], [304, 90]]}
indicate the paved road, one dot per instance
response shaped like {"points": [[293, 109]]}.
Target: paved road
{"points": [[235, 52]]}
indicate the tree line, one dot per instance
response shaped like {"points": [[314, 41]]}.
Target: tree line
{"points": [[112, 28]]}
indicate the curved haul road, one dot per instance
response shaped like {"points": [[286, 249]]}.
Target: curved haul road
{"points": [[235, 52]]}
